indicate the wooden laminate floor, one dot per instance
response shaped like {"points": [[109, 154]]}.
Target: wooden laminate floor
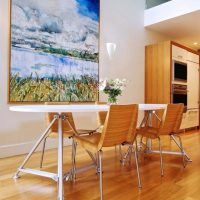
{"points": [[120, 183]]}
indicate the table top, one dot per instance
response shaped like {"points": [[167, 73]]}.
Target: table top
{"points": [[77, 108]]}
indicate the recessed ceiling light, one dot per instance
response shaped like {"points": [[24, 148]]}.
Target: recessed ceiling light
{"points": [[195, 43]]}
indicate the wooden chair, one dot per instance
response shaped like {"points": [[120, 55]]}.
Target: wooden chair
{"points": [[170, 124], [67, 130], [176, 134], [119, 127], [101, 116]]}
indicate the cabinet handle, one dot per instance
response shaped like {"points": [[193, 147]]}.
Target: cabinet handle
{"points": [[192, 111], [180, 56]]}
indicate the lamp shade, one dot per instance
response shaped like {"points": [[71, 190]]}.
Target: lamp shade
{"points": [[111, 48]]}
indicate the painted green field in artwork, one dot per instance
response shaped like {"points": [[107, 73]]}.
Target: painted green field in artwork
{"points": [[52, 89]]}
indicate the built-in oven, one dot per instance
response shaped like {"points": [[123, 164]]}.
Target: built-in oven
{"points": [[179, 71], [179, 94]]}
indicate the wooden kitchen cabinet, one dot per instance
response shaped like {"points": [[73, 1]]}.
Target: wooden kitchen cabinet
{"points": [[158, 73], [192, 114], [184, 124], [192, 118], [179, 53], [159, 77], [193, 85], [192, 57]]}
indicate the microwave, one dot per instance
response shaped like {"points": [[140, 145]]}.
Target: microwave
{"points": [[179, 71]]}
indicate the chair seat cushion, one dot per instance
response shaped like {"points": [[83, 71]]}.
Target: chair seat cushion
{"points": [[89, 142], [149, 132]]}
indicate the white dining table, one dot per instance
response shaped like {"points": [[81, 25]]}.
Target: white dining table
{"points": [[59, 109]]}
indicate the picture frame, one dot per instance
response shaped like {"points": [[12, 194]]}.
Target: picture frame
{"points": [[54, 51]]}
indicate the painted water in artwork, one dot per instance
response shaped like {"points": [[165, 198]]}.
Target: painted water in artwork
{"points": [[54, 50]]}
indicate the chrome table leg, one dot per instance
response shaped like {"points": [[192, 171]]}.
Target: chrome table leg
{"points": [[161, 158], [149, 142], [43, 149], [60, 160], [34, 148], [100, 153]]}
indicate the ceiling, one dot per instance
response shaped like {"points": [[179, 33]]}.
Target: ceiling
{"points": [[184, 29]]}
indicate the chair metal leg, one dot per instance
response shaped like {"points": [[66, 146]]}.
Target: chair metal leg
{"points": [[161, 158], [141, 139], [100, 154], [137, 165], [43, 149], [92, 157], [182, 150], [123, 160], [188, 159], [130, 155], [74, 160], [97, 167]]}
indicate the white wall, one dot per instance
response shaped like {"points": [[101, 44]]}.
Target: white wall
{"points": [[122, 23]]}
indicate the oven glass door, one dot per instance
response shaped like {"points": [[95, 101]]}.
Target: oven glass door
{"points": [[180, 98]]}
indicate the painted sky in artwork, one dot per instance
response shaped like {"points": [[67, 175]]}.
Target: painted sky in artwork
{"points": [[69, 24], [89, 8]]}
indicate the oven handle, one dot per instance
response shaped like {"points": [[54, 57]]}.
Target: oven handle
{"points": [[193, 109], [180, 92]]}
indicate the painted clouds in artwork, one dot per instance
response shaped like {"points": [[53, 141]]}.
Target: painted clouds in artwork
{"points": [[61, 24]]}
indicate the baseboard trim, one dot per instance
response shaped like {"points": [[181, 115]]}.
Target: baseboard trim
{"points": [[23, 148]]}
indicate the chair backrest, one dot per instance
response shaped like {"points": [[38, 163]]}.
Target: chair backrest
{"points": [[49, 117], [172, 121], [120, 125], [101, 115], [179, 119]]}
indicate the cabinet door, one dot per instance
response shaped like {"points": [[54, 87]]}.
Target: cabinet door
{"points": [[179, 54], [192, 57], [184, 122], [193, 85], [192, 118]]}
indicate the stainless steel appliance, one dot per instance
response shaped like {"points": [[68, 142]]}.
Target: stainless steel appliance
{"points": [[179, 71], [179, 94]]}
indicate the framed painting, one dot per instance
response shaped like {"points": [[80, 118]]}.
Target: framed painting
{"points": [[54, 54]]}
